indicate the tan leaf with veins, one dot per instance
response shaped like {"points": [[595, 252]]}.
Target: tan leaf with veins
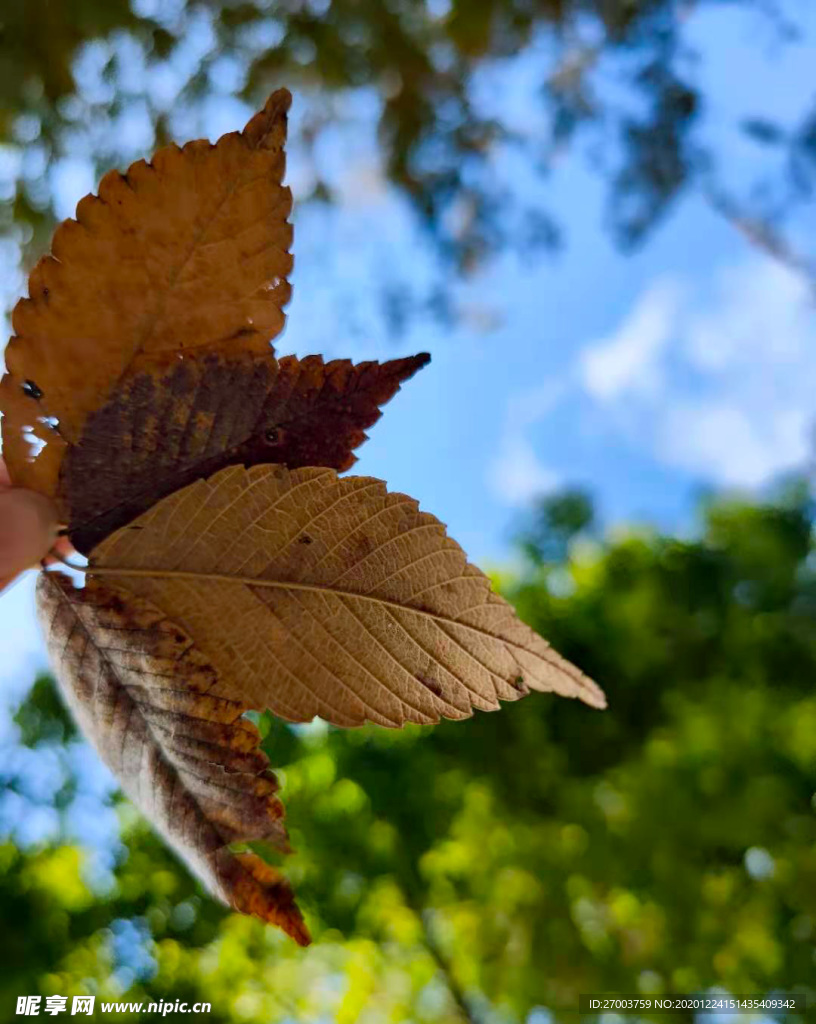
{"points": [[187, 253], [144, 695], [317, 595]]}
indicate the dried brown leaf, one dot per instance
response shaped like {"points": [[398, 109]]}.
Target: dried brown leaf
{"points": [[187, 253], [182, 419], [317, 595], [144, 695]]}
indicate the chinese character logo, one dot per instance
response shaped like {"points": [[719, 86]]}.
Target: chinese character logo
{"points": [[82, 1004], [55, 1004], [28, 1006]]}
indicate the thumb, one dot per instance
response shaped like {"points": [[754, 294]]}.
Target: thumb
{"points": [[28, 529]]}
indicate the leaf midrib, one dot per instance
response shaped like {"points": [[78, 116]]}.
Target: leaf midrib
{"points": [[253, 581]]}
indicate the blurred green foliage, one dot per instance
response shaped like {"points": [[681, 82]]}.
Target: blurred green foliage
{"points": [[478, 870], [617, 75]]}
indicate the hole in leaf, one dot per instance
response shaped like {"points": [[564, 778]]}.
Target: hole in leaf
{"points": [[31, 389], [37, 444]]}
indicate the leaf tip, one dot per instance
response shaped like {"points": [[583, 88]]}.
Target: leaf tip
{"points": [[267, 128], [257, 888], [593, 695]]}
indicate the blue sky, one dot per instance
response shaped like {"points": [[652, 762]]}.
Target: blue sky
{"points": [[691, 363]]}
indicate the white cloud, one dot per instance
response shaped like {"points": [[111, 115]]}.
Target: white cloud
{"points": [[630, 359], [718, 380], [715, 377], [516, 474], [761, 313], [725, 443]]}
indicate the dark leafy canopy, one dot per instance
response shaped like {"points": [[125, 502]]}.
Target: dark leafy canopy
{"points": [[423, 59], [477, 870]]}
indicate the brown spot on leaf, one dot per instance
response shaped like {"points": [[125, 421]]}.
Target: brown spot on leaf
{"points": [[431, 684]]}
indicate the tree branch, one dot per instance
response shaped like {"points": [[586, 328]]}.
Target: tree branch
{"points": [[463, 1004], [411, 890], [762, 235]]}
